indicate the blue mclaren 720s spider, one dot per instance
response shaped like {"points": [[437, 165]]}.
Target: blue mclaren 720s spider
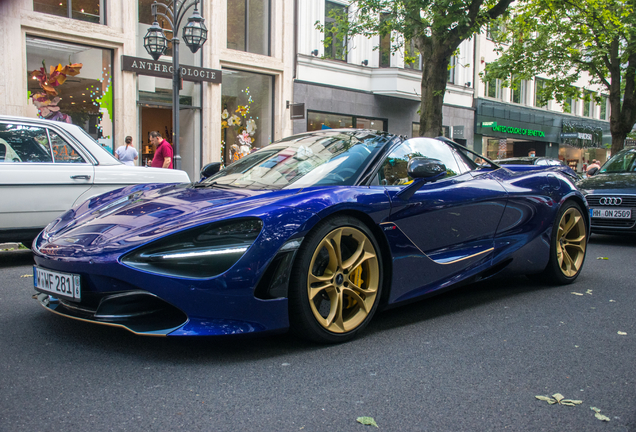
{"points": [[314, 233]]}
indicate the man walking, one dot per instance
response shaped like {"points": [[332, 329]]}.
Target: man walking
{"points": [[163, 152]]}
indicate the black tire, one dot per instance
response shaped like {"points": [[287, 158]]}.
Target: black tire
{"points": [[336, 281], [568, 246]]}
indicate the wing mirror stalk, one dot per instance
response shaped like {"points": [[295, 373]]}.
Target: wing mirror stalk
{"points": [[422, 171]]}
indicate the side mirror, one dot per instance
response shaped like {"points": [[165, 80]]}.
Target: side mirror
{"points": [[426, 169], [210, 169], [422, 170]]}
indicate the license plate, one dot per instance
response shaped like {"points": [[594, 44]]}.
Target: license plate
{"points": [[611, 213], [65, 285]]}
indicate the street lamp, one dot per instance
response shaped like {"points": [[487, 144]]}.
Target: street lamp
{"points": [[194, 34]]}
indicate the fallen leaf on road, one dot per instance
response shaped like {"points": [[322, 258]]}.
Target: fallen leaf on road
{"points": [[558, 398], [575, 293], [605, 258], [588, 292], [595, 409], [367, 421], [622, 333], [29, 275], [601, 417], [612, 301]]}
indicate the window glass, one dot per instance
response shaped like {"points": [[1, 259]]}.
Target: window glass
{"points": [[394, 167], [518, 91], [248, 24], [63, 152], [539, 85], [451, 71], [369, 123], [413, 58], [22, 143], [84, 99], [603, 107], [621, 163], [246, 107], [336, 49], [317, 121], [83, 10], [321, 158], [385, 45]]}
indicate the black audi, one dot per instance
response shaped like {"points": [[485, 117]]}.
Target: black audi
{"points": [[611, 195]]}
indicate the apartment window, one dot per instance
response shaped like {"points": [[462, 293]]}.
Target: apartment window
{"points": [[493, 88], [248, 26], [385, 45], [83, 10], [335, 45], [451, 70], [588, 104], [411, 53], [603, 107], [493, 31], [539, 86], [518, 91]]}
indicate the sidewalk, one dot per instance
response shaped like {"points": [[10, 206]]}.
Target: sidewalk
{"points": [[9, 246]]}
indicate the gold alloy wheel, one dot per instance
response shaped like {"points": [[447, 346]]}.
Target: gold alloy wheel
{"points": [[571, 242], [343, 280]]}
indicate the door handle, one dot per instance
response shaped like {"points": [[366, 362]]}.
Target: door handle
{"points": [[81, 177]]}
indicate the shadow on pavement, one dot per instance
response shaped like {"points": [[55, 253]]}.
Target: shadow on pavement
{"points": [[16, 258]]}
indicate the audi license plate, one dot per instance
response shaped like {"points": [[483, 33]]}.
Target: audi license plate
{"points": [[606, 213], [65, 285]]}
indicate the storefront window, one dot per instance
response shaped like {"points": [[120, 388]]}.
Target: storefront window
{"points": [[247, 113], [83, 10], [84, 98], [320, 120], [248, 26]]}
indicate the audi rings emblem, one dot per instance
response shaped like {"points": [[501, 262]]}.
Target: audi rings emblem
{"points": [[610, 201]]}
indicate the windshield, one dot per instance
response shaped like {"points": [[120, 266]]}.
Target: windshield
{"points": [[317, 159], [621, 163]]}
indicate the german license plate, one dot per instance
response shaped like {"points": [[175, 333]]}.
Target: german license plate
{"points": [[611, 213], [65, 285]]}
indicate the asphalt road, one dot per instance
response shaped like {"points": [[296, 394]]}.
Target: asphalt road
{"points": [[470, 360]]}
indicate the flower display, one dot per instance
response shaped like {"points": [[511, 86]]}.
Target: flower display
{"points": [[47, 101], [245, 130]]}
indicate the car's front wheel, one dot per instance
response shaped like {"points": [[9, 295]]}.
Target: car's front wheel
{"points": [[336, 282]]}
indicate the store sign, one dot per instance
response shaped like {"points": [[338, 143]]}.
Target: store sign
{"points": [[513, 130], [143, 66], [578, 135]]}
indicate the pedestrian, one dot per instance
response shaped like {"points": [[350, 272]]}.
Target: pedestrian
{"points": [[532, 153], [593, 167], [127, 154], [163, 152]]}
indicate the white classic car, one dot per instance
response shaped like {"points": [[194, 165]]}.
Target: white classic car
{"points": [[47, 167]]}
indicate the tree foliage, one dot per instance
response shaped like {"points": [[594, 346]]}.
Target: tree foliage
{"points": [[436, 28], [564, 38]]}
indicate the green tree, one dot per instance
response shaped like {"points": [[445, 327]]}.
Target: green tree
{"points": [[563, 39], [436, 28]]}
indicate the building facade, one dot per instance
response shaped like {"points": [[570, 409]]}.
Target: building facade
{"points": [[362, 83], [115, 95], [510, 120]]}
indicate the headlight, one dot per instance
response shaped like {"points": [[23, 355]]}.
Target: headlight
{"points": [[203, 252]]}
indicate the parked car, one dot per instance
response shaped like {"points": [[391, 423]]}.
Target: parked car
{"points": [[47, 167], [539, 161], [315, 233], [611, 194]]}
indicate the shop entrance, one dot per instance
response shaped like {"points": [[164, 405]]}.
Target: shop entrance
{"points": [[159, 118], [154, 119]]}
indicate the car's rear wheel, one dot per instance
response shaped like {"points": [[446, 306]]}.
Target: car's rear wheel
{"points": [[336, 282], [568, 246]]}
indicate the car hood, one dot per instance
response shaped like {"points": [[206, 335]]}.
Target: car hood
{"points": [[136, 215], [609, 183]]}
